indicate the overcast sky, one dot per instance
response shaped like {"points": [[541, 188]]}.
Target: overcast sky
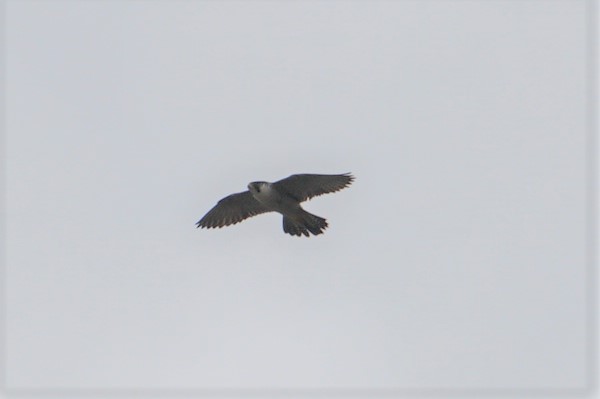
{"points": [[456, 259]]}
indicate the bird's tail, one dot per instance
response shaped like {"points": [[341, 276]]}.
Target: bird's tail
{"points": [[303, 223]]}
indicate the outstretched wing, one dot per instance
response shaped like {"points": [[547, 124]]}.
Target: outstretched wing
{"points": [[231, 210], [306, 186]]}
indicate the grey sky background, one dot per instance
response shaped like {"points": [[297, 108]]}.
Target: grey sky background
{"points": [[456, 260]]}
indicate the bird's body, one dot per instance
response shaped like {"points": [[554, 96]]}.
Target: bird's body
{"points": [[284, 197], [269, 197]]}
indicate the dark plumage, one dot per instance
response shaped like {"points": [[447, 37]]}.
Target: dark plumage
{"points": [[283, 196]]}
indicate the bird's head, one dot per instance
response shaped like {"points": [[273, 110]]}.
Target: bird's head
{"points": [[257, 186]]}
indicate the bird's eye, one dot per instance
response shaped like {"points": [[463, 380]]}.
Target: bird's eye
{"points": [[257, 189]]}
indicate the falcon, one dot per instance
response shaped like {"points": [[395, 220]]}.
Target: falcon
{"points": [[283, 196]]}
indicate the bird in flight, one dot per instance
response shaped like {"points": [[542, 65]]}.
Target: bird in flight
{"points": [[283, 196]]}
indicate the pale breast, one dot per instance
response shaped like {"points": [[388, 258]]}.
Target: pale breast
{"points": [[266, 195]]}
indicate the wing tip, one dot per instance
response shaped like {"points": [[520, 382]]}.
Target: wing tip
{"points": [[350, 178]]}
